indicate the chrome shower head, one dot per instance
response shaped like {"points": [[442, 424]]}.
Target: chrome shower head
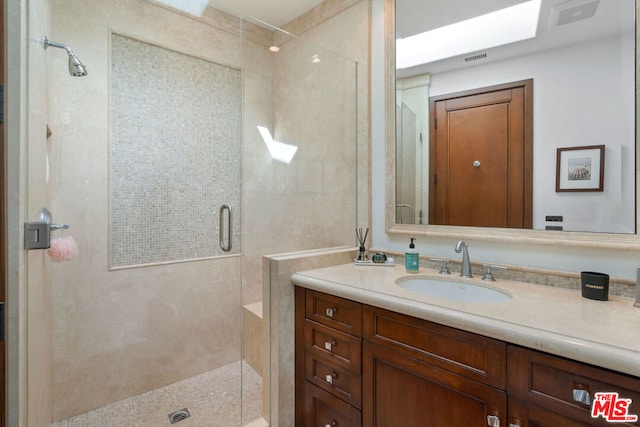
{"points": [[76, 67]]}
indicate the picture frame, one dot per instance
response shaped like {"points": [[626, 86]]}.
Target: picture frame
{"points": [[580, 168]]}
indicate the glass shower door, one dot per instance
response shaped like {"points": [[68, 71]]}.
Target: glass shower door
{"points": [[145, 164]]}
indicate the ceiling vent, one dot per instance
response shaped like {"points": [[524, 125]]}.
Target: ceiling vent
{"points": [[475, 57], [572, 11]]}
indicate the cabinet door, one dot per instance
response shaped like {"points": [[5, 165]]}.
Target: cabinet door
{"points": [[402, 391]]}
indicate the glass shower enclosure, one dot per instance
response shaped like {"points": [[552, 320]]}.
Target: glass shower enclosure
{"points": [[199, 141]]}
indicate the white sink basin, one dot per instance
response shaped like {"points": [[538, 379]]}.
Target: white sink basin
{"points": [[452, 290]]}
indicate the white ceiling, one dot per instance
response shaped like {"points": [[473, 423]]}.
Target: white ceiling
{"points": [[274, 12]]}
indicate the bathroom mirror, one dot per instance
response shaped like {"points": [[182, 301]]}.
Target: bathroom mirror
{"points": [[581, 66]]}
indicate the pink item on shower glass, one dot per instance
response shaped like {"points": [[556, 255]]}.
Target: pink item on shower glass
{"points": [[63, 249]]}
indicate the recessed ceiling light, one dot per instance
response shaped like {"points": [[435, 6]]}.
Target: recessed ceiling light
{"points": [[509, 25], [274, 49]]}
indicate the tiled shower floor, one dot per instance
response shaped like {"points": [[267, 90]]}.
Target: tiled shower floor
{"points": [[212, 398]]}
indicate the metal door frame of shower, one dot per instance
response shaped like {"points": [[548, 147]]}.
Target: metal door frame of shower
{"points": [[3, 237]]}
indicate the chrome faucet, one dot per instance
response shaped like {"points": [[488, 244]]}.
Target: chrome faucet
{"points": [[465, 271]]}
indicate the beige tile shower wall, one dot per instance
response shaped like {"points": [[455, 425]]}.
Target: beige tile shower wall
{"points": [[121, 333], [310, 203], [343, 26], [315, 107]]}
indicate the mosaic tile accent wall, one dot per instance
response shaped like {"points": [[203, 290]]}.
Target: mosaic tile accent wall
{"points": [[176, 129]]}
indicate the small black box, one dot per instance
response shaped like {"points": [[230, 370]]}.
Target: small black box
{"points": [[595, 285]]}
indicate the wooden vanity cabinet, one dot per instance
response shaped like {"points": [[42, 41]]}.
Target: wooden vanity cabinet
{"points": [[358, 365]]}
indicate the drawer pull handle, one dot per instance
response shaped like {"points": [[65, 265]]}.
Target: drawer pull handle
{"points": [[493, 421], [328, 345], [330, 378], [331, 311], [582, 396], [517, 424], [333, 424]]}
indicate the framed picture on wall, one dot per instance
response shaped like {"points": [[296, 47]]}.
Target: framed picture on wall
{"points": [[580, 168]]}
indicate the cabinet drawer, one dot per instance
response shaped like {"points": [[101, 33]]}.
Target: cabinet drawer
{"points": [[335, 312], [523, 414], [324, 410], [550, 381], [343, 349], [336, 380], [476, 357]]}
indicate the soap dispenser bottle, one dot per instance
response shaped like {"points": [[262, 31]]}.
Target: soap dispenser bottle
{"points": [[411, 258]]}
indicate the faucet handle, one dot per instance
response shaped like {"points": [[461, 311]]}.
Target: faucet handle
{"points": [[444, 270], [488, 275]]}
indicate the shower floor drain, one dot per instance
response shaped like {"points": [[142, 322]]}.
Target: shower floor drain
{"points": [[181, 415]]}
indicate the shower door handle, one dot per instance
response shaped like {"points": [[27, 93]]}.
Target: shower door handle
{"points": [[225, 247]]}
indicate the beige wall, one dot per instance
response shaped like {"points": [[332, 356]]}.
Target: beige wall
{"points": [[343, 26], [309, 203]]}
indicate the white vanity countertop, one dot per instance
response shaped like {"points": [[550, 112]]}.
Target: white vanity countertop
{"points": [[554, 320]]}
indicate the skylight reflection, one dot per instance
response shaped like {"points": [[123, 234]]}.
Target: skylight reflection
{"points": [[192, 7], [279, 150], [509, 25]]}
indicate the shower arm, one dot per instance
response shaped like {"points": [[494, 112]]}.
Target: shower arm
{"points": [[48, 43]]}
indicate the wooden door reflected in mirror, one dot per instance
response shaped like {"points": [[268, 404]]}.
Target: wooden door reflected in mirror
{"points": [[481, 157]]}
